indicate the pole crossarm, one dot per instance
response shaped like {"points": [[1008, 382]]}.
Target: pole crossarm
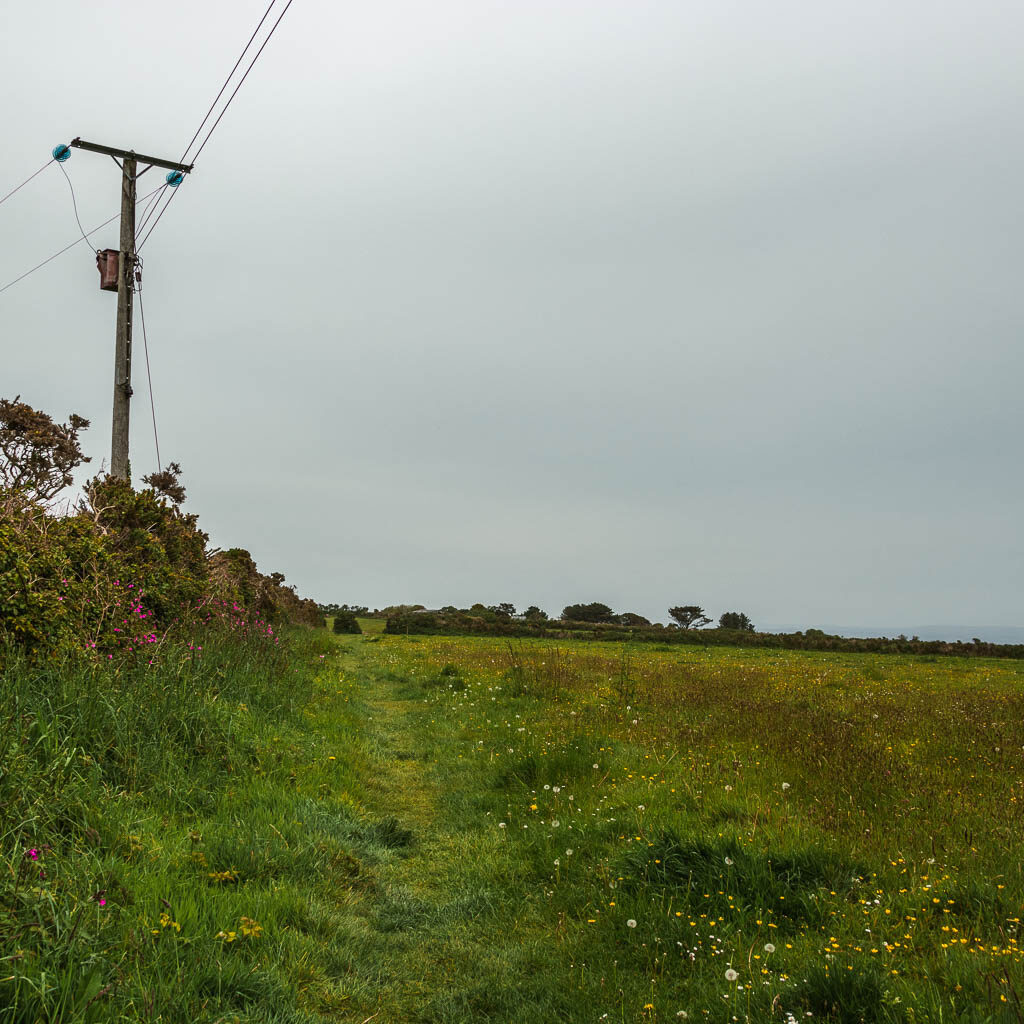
{"points": [[93, 147]]}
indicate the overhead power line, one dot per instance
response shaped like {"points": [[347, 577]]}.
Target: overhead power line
{"points": [[151, 209], [231, 73], [224, 109], [71, 245], [242, 82], [26, 181]]}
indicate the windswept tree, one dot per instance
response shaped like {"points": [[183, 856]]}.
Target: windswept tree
{"points": [[37, 455], [535, 614], [593, 612], [736, 620], [689, 616]]}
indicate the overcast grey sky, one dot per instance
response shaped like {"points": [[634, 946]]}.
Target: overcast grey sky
{"points": [[641, 302]]}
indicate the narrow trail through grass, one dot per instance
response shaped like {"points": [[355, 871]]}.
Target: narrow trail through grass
{"points": [[445, 934]]}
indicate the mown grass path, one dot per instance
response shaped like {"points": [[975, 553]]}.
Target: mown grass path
{"points": [[443, 934]]}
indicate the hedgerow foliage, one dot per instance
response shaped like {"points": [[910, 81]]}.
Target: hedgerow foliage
{"points": [[120, 567]]}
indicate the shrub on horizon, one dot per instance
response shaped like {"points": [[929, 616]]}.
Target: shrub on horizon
{"points": [[346, 622], [594, 612]]}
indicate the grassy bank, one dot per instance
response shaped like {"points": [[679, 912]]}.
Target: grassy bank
{"points": [[459, 830], [160, 830]]}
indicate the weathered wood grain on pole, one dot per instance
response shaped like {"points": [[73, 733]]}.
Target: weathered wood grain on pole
{"points": [[123, 346]]}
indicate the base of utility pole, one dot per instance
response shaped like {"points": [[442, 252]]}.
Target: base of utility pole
{"points": [[123, 346]]}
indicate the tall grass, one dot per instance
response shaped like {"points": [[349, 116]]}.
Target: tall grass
{"points": [[101, 767]]}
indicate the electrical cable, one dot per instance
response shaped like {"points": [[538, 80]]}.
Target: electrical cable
{"points": [[49, 259], [74, 203], [148, 213], [223, 111], [139, 246], [26, 181], [149, 376], [226, 80], [242, 82]]}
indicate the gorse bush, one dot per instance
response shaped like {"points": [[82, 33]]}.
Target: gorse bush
{"points": [[120, 564], [37, 455]]}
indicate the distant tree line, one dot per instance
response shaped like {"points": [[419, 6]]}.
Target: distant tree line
{"points": [[337, 609], [597, 621], [688, 624], [689, 616]]}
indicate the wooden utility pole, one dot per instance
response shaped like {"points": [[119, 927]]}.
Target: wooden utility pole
{"points": [[123, 344], [125, 293]]}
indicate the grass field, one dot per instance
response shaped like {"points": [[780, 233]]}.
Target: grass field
{"points": [[843, 833], [457, 830]]}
